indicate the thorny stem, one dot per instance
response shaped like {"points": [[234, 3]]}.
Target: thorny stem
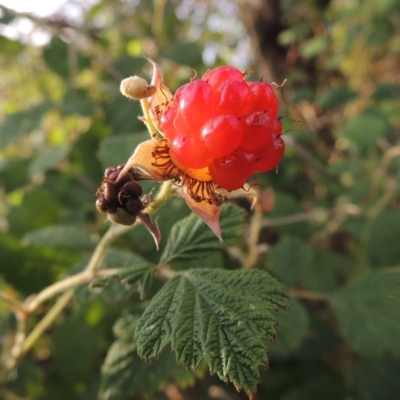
{"points": [[66, 286]]}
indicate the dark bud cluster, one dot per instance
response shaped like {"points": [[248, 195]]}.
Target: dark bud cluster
{"points": [[119, 196]]}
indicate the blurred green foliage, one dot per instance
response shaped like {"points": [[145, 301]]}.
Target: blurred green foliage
{"points": [[331, 225]]}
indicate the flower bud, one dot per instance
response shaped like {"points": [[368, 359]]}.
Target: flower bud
{"points": [[136, 88]]}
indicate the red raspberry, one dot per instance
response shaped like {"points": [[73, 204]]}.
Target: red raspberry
{"points": [[226, 124]]}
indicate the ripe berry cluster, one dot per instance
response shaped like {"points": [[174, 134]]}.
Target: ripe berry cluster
{"points": [[118, 197], [225, 123]]}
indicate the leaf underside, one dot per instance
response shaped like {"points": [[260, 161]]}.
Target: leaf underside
{"points": [[224, 317]]}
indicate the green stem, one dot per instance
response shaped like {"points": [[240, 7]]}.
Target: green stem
{"points": [[147, 117], [163, 195]]}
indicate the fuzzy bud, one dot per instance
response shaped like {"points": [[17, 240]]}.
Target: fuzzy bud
{"points": [[136, 88]]}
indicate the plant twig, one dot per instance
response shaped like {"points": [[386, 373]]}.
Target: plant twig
{"points": [[252, 240], [290, 219]]}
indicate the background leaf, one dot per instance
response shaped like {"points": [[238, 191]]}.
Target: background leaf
{"points": [[48, 159], [367, 310], [117, 150], [293, 328], [295, 262], [60, 236]]}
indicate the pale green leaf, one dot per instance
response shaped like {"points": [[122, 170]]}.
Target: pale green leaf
{"points": [[191, 238], [48, 159], [60, 236], [368, 310], [224, 317]]}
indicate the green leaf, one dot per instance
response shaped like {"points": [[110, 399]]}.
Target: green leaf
{"points": [[21, 123], [191, 238], [123, 373], [38, 209], [368, 311], [116, 150], [322, 386], [293, 262], [336, 97], [128, 65], [224, 317], [74, 337], [184, 53], [293, 328], [365, 129], [48, 159], [355, 169], [77, 102], [60, 236], [386, 91], [382, 249], [377, 380], [139, 270], [56, 55], [314, 46], [122, 114], [287, 205], [9, 46]]}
